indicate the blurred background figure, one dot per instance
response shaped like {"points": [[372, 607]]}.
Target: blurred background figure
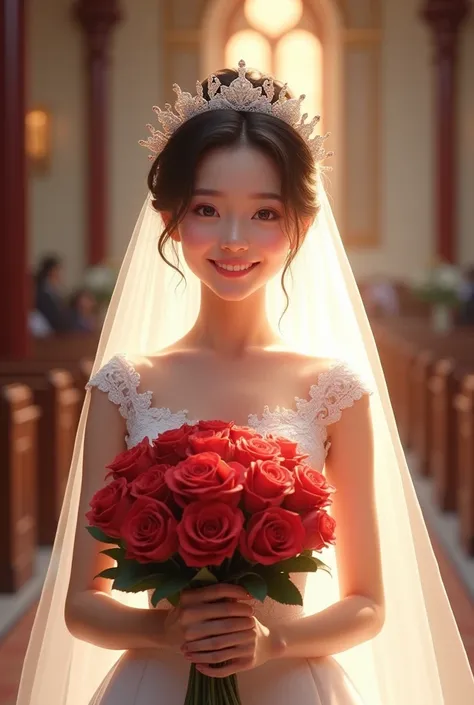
{"points": [[381, 296], [466, 312], [49, 297], [83, 311]]}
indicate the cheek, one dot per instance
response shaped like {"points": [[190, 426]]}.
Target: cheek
{"points": [[196, 235], [273, 241]]}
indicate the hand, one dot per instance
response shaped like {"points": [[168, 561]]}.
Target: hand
{"points": [[224, 638], [206, 612]]}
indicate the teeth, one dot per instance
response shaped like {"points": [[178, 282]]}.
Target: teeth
{"points": [[234, 267]]}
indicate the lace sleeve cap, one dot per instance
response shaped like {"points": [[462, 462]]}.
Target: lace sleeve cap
{"points": [[118, 379], [338, 389]]}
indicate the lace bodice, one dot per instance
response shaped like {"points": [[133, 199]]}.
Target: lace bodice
{"points": [[334, 390]]}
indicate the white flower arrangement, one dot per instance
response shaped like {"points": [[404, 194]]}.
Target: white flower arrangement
{"points": [[100, 281], [441, 285]]}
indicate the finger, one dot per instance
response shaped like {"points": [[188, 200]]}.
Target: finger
{"points": [[242, 664], [223, 641], [231, 654], [215, 610], [211, 593], [216, 627]]}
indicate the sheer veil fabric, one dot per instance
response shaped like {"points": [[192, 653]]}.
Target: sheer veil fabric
{"points": [[418, 658]]}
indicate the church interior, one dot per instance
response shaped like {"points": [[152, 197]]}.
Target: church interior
{"points": [[393, 81]]}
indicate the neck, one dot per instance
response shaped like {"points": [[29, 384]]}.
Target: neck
{"points": [[232, 327]]}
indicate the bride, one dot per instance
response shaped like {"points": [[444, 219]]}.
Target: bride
{"points": [[248, 312]]}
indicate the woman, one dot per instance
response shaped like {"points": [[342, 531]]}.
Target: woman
{"points": [[236, 188], [49, 300]]}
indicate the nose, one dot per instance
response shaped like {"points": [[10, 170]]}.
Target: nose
{"points": [[234, 240]]}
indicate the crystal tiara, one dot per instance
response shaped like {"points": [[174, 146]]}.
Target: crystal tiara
{"points": [[242, 96]]}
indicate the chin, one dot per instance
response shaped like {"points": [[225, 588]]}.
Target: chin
{"points": [[233, 293]]}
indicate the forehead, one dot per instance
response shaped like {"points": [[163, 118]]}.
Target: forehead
{"points": [[238, 170]]}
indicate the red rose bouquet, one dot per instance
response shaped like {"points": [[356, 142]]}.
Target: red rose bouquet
{"points": [[209, 503]]}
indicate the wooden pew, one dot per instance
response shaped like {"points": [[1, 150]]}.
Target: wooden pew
{"points": [[446, 383], [60, 403], [19, 418], [464, 405], [69, 347]]}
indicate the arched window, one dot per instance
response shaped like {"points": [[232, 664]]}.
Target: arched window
{"points": [[279, 38]]}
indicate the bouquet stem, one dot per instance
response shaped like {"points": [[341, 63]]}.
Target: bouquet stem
{"points": [[204, 690]]}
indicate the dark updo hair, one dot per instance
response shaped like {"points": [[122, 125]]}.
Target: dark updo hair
{"points": [[172, 186]]}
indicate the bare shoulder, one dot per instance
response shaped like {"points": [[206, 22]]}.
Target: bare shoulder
{"points": [[307, 368], [161, 370]]}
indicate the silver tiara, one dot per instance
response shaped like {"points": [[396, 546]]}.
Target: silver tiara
{"points": [[242, 96]]}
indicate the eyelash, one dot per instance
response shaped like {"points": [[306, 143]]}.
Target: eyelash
{"points": [[276, 216]]}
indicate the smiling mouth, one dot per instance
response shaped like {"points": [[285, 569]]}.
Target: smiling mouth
{"points": [[234, 270]]}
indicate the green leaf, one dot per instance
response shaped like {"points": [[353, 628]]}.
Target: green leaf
{"points": [[169, 586], [174, 599], [255, 585], [322, 566], [130, 573], [109, 573], [99, 535], [205, 576], [298, 564], [149, 583], [281, 589], [116, 553]]}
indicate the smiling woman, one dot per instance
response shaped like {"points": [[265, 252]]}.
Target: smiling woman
{"points": [[248, 195]]}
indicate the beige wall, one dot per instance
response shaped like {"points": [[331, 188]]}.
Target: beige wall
{"points": [[466, 143], [57, 214]]}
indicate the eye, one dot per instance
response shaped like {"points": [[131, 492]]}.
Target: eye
{"points": [[266, 214], [205, 211]]}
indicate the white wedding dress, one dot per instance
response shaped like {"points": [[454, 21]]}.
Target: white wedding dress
{"points": [[159, 677]]}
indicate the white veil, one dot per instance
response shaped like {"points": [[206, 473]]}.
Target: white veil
{"points": [[418, 658]]}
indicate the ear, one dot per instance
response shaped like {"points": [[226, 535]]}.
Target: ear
{"points": [[174, 234]]}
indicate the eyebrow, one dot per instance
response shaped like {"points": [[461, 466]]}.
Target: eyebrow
{"points": [[255, 196]]}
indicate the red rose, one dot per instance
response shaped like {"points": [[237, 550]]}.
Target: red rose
{"points": [[291, 463], [237, 432], [289, 449], [215, 425], [208, 533], [272, 536], [171, 446], [266, 485], [319, 527], [204, 477], [311, 490], [132, 462], [149, 531], [248, 450], [109, 507], [212, 442], [151, 483]]}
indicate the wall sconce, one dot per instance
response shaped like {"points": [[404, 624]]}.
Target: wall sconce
{"points": [[38, 139]]}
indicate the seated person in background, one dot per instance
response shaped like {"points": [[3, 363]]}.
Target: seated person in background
{"points": [[380, 296], [466, 309], [83, 311], [49, 299]]}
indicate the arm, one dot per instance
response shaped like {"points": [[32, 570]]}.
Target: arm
{"points": [[91, 613], [359, 615]]}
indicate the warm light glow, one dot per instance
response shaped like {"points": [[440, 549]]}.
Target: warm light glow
{"points": [[273, 17], [37, 135], [250, 46], [298, 61]]}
